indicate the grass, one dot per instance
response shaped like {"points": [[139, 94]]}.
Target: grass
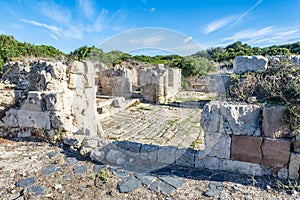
{"points": [[144, 108]]}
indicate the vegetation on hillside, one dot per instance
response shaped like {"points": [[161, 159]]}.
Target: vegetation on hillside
{"points": [[11, 48], [198, 64]]}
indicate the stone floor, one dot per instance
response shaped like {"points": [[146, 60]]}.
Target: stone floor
{"points": [[158, 125]]}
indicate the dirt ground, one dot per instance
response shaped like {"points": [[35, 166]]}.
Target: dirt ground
{"points": [[39, 170]]}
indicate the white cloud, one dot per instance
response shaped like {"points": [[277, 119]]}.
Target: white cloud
{"points": [[99, 24], [242, 16], [55, 12], [250, 34], [54, 29], [53, 36], [220, 23], [152, 9], [186, 40], [75, 32], [86, 7]]}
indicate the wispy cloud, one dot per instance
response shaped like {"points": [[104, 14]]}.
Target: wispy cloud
{"points": [[220, 23], [86, 7], [53, 36], [55, 12], [250, 34], [99, 24], [242, 16], [186, 40], [152, 9], [229, 21], [54, 29]]}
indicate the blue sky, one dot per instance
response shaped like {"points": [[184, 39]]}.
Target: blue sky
{"points": [[132, 24]]}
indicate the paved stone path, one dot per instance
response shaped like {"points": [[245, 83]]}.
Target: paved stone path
{"points": [[158, 125]]}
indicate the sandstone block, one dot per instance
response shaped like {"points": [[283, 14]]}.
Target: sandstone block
{"points": [[275, 123], [242, 64], [294, 166], [247, 149], [276, 153]]}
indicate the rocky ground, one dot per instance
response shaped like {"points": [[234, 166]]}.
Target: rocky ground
{"points": [[39, 170]]}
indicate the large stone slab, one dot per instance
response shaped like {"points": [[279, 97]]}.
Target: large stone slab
{"points": [[221, 149], [242, 64], [276, 153], [247, 149], [275, 123], [230, 118]]}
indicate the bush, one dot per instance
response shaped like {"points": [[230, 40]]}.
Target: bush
{"points": [[280, 84]]}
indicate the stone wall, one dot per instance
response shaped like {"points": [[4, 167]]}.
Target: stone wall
{"points": [[250, 136], [243, 64], [48, 98]]}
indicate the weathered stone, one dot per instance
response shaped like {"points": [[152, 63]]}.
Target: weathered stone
{"points": [[52, 154], [173, 181], [283, 173], [97, 155], [207, 162], [276, 153], [221, 149], [275, 123], [50, 170], [98, 168], [80, 169], [131, 149], [35, 119], [121, 173], [145, 179], [242, 64], [294, 166], [10, 119], [129, 185], [34, 102], [296, 145], [242, 167], [247, 149], [166, 154], [225, 118], [37, 190], [26, 182], [71, 161], [185, 157], [148, 152], [115, 157]]}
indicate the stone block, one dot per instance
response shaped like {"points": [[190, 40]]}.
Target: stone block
{"points": [[242, 167], [34, 119], [115, 157], [294, 166], [296, 145], [97, 155], [149, 152], [131, 149], [10, 119], [185, 157], [221, 149], [166, 154], [247, 149], [275, 123], [242, 64], [207, 162], [276, 153], [81, 68]]}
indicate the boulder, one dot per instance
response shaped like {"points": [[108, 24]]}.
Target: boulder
{"points": [[242, 64]]}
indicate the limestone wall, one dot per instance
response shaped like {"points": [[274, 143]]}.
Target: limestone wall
{"points": [[47, 98]]}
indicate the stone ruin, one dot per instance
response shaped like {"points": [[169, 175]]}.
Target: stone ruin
{"points": [[48, 98], [155, 85]]}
